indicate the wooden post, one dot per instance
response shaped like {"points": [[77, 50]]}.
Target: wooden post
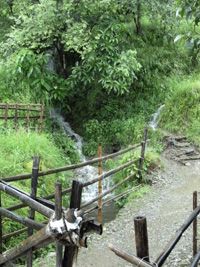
{"points": [[28, 117], [141, 160], [1, 229], [195, 225], [100, 171], [141, 238], [75, 202], [41, 118], [58, 214], [6, 115], [34, 183], [16, 116]]}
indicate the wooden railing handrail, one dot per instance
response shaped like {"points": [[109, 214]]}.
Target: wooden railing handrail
{"points": [[69, 167]]}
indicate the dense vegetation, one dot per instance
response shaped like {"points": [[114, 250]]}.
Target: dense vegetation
{"points": [[107, 64]]}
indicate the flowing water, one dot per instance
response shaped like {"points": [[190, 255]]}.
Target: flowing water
{"points": [[155, 118], [85, 173]]}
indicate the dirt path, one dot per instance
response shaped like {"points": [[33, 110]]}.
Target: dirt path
{"points": [[166, 206]]}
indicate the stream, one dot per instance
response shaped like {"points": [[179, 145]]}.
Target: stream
{"points": [[88, 172]]}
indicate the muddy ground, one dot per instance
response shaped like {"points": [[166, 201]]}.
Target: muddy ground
{"points": [[166, 206]]}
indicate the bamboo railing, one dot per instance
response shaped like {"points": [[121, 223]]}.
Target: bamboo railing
{"points": [[49, 231]]}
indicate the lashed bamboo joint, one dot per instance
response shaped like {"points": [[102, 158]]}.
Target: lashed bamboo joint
{"points": [[69, 230]]}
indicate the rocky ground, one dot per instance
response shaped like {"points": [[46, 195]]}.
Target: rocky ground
{"points": [[166, 206]]}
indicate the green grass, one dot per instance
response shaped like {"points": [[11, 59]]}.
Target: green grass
{"points": [[17, 150], [182, 108]]}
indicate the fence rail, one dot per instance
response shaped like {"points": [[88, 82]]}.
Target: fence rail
{"points": [[49, 231], [22, 112]]}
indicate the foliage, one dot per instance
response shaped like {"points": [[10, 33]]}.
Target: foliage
{"points": [[184, 116], [29, 71], [96, 47]]}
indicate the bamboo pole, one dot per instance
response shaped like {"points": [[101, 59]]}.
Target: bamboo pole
{"points": [[58, 215], [123, 194], [69, 167], [26, 245], [194, 225], [100, 190], [26, 199], [170, 246], [25, 221], [196, 260], [34, 184], [109, 173], [108, 191], [130, 258]]}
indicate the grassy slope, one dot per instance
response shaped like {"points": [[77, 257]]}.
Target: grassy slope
{"points": [[182, 108]]}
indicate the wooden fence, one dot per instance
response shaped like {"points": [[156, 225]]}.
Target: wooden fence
{"points": [[22, 113], [66, 227], [142, 247]]}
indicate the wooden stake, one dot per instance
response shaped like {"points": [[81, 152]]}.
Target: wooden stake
{"points": [[58, 215], [16, 117], [141, 238], [34, 183], [100, 190], [75, 202], [41, 118], [28, 118], [194, 225], [6, 115], [1, 229]]}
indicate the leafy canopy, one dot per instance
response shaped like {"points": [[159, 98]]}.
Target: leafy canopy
{"points": [[88, 38]]}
